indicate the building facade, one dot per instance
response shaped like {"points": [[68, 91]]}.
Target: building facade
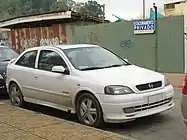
{"points": [[175, 7]]}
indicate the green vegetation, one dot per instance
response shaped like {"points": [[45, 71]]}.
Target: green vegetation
{"points": [[15, 8]]}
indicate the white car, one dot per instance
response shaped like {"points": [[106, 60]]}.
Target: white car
{"points": [[88, 80]]}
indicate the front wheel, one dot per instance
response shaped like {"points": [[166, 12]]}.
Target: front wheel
{"points": [[89, 111]]}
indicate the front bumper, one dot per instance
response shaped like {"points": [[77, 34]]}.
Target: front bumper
{"points": [[138, 105]]}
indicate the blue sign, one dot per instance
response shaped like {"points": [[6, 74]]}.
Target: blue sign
{"points": [[144, 27]]}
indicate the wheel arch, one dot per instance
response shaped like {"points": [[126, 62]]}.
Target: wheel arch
{"points": [[11, 82], [80, 92]]}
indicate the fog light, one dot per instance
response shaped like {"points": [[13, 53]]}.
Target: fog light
{"points": [[129, 110]]}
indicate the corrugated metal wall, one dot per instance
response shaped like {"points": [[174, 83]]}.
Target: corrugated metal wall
{"points": [[31, 37]]}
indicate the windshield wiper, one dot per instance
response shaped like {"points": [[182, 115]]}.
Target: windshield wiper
{"points": [[5, 60], [93, 68], [110, 66], [128, 64], [116, 65]]}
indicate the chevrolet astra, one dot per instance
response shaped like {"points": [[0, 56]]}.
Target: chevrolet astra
{"points": [[88, 80]]}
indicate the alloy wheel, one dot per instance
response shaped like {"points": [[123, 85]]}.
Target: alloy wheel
{"points": [[88, 111]]}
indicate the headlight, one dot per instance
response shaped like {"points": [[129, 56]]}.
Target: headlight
{"points": [[1, 77], [166, 82], [118, 90]]}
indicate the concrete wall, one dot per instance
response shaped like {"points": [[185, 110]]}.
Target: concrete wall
{"points": [[171, 45], [140, 49]]}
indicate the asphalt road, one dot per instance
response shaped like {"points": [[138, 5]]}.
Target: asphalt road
{"points": [[164, 126]]}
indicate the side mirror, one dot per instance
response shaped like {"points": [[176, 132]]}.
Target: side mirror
{"points": [[59, 69], [12, 60]]}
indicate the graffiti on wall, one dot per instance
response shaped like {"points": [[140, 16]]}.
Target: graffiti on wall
{"points": [[126, 44], [92, 36], [50, 41], [25, 38], [5, 39], [26, 43], [5, 42], [33, 42]]}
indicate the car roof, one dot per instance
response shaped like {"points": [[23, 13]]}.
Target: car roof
{"points": [[63, 47], [76, 46]]}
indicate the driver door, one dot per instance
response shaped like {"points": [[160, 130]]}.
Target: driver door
{"points": [[52, 87]]}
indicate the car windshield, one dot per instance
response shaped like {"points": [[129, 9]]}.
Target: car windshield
{"points": [[7, 54], [90, 58]]}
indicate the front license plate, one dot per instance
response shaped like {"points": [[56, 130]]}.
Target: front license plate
{"points": [[155, 98]]}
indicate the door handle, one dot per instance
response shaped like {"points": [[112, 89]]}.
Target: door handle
{"points": [[35, 77]]}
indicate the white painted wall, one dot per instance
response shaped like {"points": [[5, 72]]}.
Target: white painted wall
{"points": [[185, 43]]}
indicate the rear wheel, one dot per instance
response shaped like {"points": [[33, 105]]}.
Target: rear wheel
{"points": [[89, 111], [15, 95]]}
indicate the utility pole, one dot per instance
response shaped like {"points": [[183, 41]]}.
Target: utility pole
{"points": [[143, 9], [103, 13], [156, 36]]}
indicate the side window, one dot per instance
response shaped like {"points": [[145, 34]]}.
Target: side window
{"points": [[28, 59], [48, 59]]}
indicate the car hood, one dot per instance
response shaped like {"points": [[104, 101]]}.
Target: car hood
{"points": [[125, 75]]}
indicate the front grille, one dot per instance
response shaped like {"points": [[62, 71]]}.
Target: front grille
{"points": [[152, 105], [143, 107], [148, 86], [2, 81]]}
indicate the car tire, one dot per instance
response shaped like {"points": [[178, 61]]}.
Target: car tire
{"points": [[15, 95], [89, 111]]}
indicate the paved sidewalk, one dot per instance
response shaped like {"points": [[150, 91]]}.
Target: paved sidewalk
{"points": [[175, 79], [20, 124]]}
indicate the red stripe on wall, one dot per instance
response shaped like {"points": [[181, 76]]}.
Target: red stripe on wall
{"points": [[38, 33], [50, 32], [27, 30], [19, 39], [13, 39], [63, 33], [44, 32], [55, 30]]}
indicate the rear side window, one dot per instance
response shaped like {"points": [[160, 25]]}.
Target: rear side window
{"points": [[28, 59]]}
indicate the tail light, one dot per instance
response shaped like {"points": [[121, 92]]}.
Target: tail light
{"points": [[184, 90]]}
